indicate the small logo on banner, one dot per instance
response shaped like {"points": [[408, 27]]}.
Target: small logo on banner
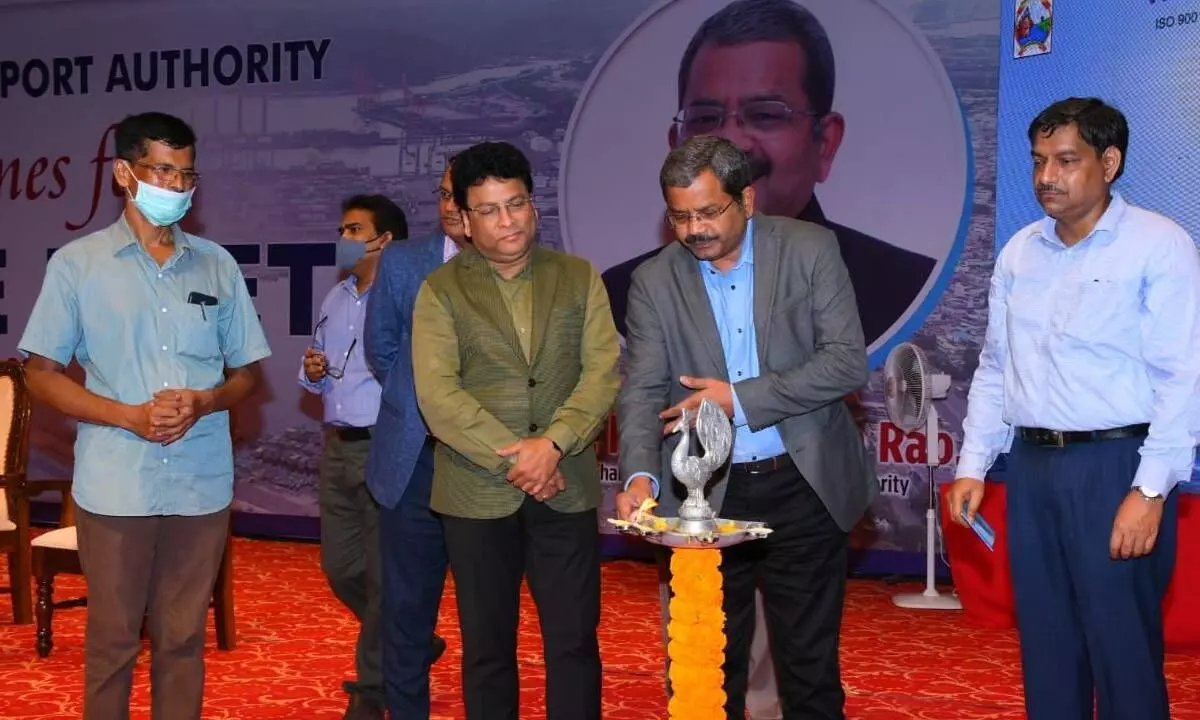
{"points": [[1033, 28]]}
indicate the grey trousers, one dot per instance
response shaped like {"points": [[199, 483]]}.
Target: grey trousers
{"points": [[350, 553], [159, 570], [762, 696]]}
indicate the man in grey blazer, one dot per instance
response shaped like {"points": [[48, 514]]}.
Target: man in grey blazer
{"points": [[758, 314]]}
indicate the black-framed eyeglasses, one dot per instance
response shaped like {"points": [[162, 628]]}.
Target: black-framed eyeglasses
{"points": [[678, 218], [762, 116], [338, 373], [333, 372]]}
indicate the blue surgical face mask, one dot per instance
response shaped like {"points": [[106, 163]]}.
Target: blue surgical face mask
{"points": [[349, 252], [159, 206]]}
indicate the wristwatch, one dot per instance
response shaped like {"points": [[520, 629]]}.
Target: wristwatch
{"points": [[1149, 494]]}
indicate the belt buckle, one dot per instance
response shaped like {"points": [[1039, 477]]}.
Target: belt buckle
{"points": [[1058, 438]]}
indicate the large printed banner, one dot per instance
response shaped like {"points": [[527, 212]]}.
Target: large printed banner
{"points": [[300, 104], [1051, 51]]}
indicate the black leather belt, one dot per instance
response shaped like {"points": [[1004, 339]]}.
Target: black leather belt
{"points": [[1062, 438], [762, 467], [352, 434]]}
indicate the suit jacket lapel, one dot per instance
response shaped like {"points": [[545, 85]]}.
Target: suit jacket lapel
{"points": [[766, 275], [545, 286], [698, 308]]}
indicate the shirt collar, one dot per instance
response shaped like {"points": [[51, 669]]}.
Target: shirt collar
{"points": [[350, 284], [1106, 227], [449, 248], [747, 255], [123, 237]]}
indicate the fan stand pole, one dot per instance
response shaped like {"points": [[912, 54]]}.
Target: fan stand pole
{"points": [[931, 599]]}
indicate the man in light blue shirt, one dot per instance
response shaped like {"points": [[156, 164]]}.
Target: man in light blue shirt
{"points": [[335, 367], [1089, 372], [164, 328]]}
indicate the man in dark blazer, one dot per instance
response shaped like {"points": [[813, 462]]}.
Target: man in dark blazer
{"points": [[400, 468], [756, 313], [761, 74]]}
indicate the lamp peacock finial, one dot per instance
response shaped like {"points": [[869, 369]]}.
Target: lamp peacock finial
{"points": [[715, 436]]}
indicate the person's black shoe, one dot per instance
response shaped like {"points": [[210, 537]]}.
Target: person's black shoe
{"points": [[364, 708], [437, 649]]}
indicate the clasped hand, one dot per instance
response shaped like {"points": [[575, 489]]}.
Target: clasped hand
{"points": [[534, 467], [168, 415]]}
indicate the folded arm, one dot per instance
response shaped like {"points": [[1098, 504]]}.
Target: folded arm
{"points": [[577, 422], [838, 365], [453, 415]]}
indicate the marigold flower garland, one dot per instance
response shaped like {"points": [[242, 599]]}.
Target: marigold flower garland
{"points": [[696, 632]]}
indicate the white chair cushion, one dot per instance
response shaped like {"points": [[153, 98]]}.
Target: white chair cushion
{"points": [[60, 539], [6, 523]]}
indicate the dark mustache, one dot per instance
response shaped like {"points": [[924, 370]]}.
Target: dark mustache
{"points": [[760, 167], [1048, 189], [694, 238]]}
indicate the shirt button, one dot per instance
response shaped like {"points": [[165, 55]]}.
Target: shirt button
{"points": [[351, 327], [532, 382], [165, 384], [164, 461], [164, 347], [739, 373], [532, 427], [160, 276], [164, 309], [733, 287]]}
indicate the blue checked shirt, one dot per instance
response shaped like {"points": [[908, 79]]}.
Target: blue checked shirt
{"points": [[353, 400], [107, 304], [1091, 337]]}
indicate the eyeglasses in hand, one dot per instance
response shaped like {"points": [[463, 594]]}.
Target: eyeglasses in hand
{"points": [[333, 372]]}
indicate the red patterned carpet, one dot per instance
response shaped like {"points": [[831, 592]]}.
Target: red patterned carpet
{"points": [[295, 645]]}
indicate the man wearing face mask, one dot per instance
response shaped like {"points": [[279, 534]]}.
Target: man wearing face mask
{"points": [[335, 368], [165, 329]]}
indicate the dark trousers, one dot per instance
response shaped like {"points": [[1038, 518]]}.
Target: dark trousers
{"points": [[414, 574], [1090, 626], [159, 570], [350, 552], [801, 569], [560, 555]]}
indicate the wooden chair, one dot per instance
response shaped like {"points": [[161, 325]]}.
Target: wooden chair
{"points": [[57, 552], [14, 489]]}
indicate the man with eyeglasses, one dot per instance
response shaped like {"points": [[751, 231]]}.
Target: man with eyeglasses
{"points": [[755, 313], [761, 74], [164, 327], [335, 368], [515, 371], [400, 465]]}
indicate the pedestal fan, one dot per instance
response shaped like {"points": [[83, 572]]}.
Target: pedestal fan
{"points": [[910, 388]]}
